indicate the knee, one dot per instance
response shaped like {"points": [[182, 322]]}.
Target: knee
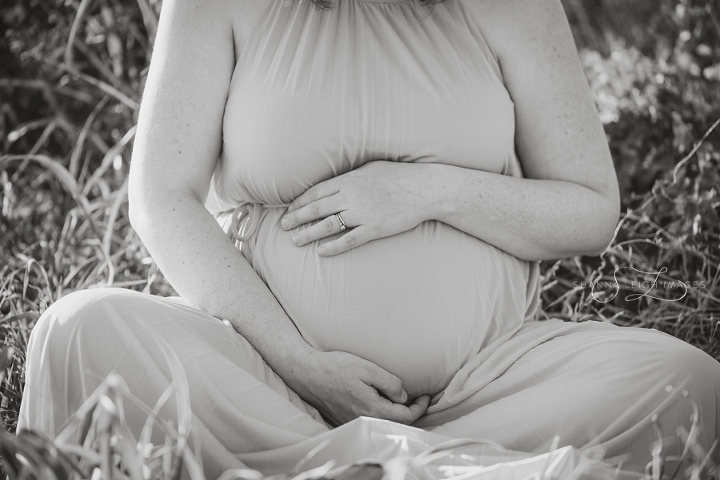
{"points": [[688, 364], [75, 344], [79, 320], [694, 375]]}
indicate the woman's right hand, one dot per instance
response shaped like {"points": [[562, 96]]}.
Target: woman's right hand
{"points": [[176, 150], [343, 386]]}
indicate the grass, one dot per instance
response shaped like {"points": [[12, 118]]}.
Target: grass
{"points": [[71, 89]]}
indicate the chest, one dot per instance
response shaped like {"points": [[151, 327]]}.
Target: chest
{"points": [[315, 94]]}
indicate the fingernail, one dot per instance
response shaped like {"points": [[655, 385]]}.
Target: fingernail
{"points": [[295, 238], [321, 250], [403, 397], [284, 223]]}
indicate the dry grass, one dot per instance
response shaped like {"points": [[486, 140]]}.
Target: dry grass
{"points": [[69, 108]]}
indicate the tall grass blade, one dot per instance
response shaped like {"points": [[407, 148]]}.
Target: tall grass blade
{"points": [[62, 174], [184, 410], [182, 390], [150, 20], [108, 159], [81, 11], [128, 447], [74, 164]]}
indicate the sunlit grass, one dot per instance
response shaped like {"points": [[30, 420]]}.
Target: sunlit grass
{"points": [[68, 123]]}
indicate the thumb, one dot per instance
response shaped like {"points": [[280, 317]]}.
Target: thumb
{"points": [[388, 384]]}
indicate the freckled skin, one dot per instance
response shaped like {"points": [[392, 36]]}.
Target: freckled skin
{"points": [[568, 204]]}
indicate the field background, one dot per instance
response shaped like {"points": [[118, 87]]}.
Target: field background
{"points": [[71, 77]]}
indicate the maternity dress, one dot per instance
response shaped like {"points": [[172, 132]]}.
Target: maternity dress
{"points": [[316, 94]]}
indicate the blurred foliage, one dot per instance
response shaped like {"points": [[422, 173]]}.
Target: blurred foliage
{"points": [[66, 125], [654, 69], [71, 77], [655, 81]]}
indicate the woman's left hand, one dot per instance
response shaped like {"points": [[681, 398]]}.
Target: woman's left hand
{"points": [[376, 200]]}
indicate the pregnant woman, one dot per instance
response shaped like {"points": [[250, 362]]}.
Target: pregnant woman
{"points": [[362, 191]]}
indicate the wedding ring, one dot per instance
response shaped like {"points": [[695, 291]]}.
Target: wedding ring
{"points": [[343, 227]]}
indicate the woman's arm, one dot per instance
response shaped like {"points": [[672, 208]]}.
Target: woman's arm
{"points": [[568, 203], [176, 148], [531, 219]]}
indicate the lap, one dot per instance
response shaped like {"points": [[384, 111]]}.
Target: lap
{"points": [[106, 323], [589, 383], [87, 335]]}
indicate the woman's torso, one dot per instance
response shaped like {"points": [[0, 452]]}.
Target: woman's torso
{"points": [[316, 94]]}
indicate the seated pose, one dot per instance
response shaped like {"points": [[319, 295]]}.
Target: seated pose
{"points": [[362, 190]]}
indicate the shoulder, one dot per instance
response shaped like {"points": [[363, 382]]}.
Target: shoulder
{"points": [[197, 10], [519, 29], [217, 17], [558, 134], [179, 18]]}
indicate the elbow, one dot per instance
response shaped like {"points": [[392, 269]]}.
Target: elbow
{"points": [[604, 240], [135, 214], [151, 202], [603, 226], [137, 205], [145, 195], [588, 231], [599, 247], [144, 213]]}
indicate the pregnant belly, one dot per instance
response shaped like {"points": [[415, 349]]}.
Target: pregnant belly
{"points": [[419, 304]]}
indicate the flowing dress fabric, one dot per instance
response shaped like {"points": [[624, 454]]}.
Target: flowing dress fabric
{"points": [[316, 94]]}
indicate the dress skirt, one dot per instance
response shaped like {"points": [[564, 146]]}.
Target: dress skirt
{"points": [[591, 386]]}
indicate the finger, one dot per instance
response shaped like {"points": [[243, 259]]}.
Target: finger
{"points": [[314, 193], [386, 383], [324, 228], [353, 238], [419, 406], [397, 412], [316, 210]]}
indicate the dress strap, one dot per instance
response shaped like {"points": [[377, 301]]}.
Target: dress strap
{"points": [[244, 221]]}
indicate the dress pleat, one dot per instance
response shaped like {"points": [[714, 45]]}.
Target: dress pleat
{"points": [[595, 386]]}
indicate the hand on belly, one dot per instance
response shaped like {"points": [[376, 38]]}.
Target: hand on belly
{"points": [[343, 387], [377, 200], [419, 304]]}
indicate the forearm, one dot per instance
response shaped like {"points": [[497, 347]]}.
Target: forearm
{"points": [[531, 219], [206, 269]]}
